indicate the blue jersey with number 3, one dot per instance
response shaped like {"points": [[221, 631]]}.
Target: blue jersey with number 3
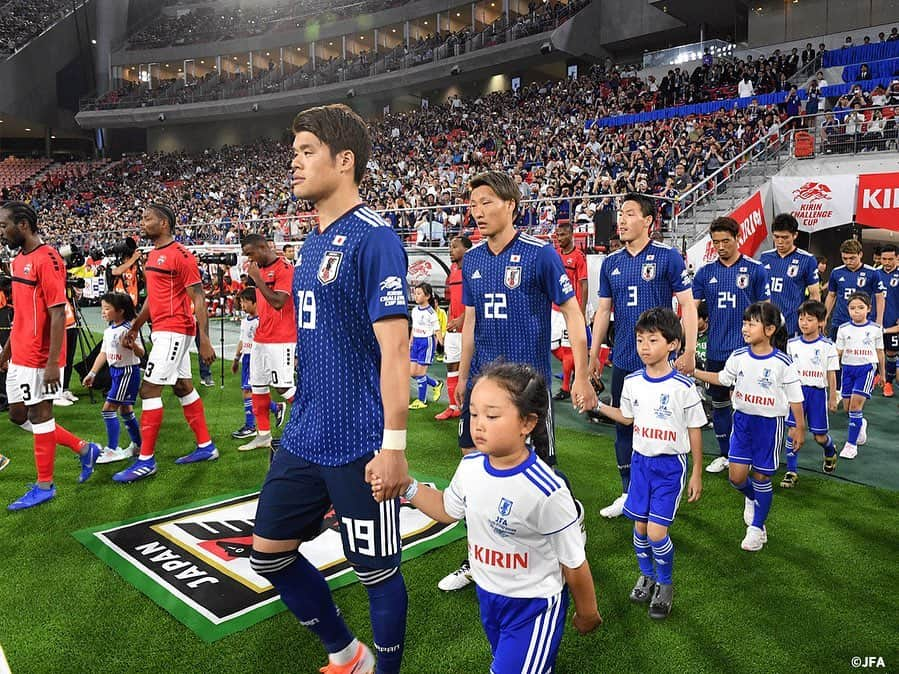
{"points": [[727, 292], [512, 293], [636, 283], [347, 278]]}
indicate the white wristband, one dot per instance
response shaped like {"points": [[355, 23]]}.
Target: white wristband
{"points": [[411, 490], [394, 440]]}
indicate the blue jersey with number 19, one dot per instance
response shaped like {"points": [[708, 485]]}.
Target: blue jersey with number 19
{"points": [[636, 283], [512, 293], [727, 292], [347, 278]]}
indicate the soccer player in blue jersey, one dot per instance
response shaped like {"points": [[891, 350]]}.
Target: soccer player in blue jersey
{"points": [[509, 284], [728, 285], [348, 422], [890, 279], [642, 275], [793, 272], [852, 276]]}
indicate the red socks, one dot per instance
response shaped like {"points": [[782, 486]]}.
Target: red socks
{"points": [[261, 403], [192, 406], [44, 449], [68, 439], [452, 379]]}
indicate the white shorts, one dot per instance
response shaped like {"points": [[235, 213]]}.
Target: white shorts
{"points": [[452, 347], [169, 359], [558, 331], [26, 385], [272, 364]]}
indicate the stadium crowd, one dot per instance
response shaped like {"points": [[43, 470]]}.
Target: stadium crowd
{"points": [[23, 20]]}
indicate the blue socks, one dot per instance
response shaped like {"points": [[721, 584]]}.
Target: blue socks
{"points": [[248, 419], [890, 369], [764, 494], [829, 449], [855, 427], [746, 488], [422, 382], [273, 407], [111, 419], [388, 602], [644, 554], [663, 554], [792, 457], [132, 425], [305, 592], [624, 451], [723, 420]]}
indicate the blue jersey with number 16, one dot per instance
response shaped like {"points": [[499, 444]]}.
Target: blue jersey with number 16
{"points": [[512, 293], [347, 278]]}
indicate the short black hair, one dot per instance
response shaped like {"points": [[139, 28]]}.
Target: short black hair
{"points": [[785, 222], [702, 310], [662, 320], [889, 248], [464, 240], [813, 308], [861, 296], [647, 208], [248, 294], [121, 302], [254, 240], [21, 211]]}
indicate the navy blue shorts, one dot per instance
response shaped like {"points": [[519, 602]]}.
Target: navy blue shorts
{"points": [[245, 372], [125, 384], [657, 483], [466, 441], [756, 441], [858, 380], [814, 406], [297, 494], [524, 634], [891, 342], [421, 350]]}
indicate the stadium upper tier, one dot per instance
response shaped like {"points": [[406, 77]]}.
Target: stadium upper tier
{"points": [[23, 20], [221, 21]]}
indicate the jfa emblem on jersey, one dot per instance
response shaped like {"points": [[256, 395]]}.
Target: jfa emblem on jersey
{"points": [[330, 265], [860, 281], [867, 340], [662, 411], [765, 380], [816, 359], [512, 277], [649, 271], [792, 270], [505, 507], [894, 282], [742, 281]]}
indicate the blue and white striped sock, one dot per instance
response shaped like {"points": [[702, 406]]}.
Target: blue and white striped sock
{"points": [[644, 554], [113, 428], [764, 494], [663, 553]]}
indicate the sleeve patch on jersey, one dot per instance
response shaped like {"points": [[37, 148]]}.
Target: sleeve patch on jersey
{"points": [[392, 294]]}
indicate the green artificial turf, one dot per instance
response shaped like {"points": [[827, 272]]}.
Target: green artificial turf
{"points": [[820, 593]]}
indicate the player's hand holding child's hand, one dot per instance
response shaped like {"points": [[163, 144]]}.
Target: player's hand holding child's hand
{"points": [[586, 624]]}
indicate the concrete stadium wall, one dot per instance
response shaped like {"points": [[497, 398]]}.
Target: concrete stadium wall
{"points": [[787, 21]]}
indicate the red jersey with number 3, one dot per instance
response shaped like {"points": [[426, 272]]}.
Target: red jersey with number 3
{"points": [[38, 283], [276, 326], [170, 271], [454, 291]]}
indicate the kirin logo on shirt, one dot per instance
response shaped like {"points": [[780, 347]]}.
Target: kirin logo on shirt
{"points": [[505, 507], [648, 273], [329, 267], [512, 277], [742, 281], [765, 379], [662, 411]]}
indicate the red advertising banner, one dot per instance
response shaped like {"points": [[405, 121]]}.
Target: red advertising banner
{"points": [[878, 200], [753, 231]]}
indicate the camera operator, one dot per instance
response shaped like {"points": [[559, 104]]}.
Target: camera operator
{"points": [[128, 275], [73, 294]]}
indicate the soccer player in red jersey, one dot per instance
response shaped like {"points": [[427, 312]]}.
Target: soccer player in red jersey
{"points": [[575, 263], [272, 358], [174, 298], [35, 353], [452, 343]]}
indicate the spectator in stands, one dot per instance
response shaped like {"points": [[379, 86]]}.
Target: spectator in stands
{"points": [[745, 88], [894, 34], [808, 54], [812, 98], [864, 73], [855, 122], [874, 130]]}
